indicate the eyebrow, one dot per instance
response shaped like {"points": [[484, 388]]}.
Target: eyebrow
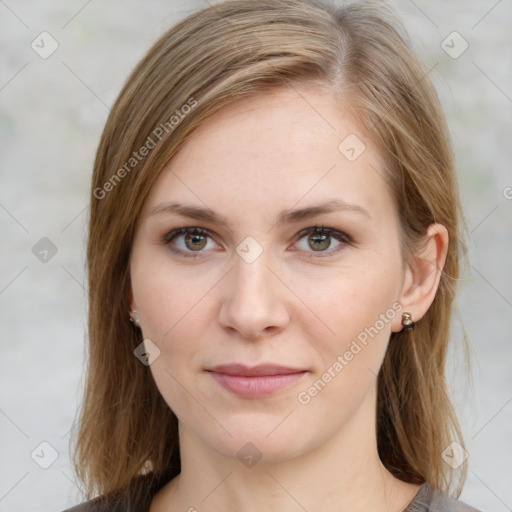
{"points": [[284, 217]]}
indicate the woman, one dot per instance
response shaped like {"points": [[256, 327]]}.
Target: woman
{"points": [[272, 258]]}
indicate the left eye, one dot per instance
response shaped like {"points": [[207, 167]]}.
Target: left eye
{"points": [[319, 238]]}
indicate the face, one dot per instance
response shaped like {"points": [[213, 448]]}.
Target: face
{"points": [[312, 297]]}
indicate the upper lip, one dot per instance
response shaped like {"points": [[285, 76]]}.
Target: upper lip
{"points": [[248, 371]]}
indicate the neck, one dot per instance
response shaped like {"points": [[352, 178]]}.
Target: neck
{"points": [[342, 474]]}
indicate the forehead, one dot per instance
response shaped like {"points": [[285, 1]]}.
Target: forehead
{"points": [[293, 144]]}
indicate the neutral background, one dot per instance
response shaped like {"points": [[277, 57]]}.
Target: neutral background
{"points": [[52, 113]]}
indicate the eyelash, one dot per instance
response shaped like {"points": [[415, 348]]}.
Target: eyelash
{"points": [[345, 239]]}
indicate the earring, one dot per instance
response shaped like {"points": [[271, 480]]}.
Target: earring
{"points": [[133, 317], [407, 322]]}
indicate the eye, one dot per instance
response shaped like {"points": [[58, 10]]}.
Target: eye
{"points": [[320, 238], [194, 240]]}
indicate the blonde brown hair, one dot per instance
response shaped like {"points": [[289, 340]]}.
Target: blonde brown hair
{"points": [[127, 436]]}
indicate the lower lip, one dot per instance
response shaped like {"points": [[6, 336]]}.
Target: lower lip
{"points": [[255, 386]]}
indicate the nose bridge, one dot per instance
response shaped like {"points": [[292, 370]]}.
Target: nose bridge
{"points": [[253, 301], [250, 266], [251, 279]]}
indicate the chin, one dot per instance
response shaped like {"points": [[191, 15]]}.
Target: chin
{"points": [[253, 439]]}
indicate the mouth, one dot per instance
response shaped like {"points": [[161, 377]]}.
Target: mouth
{"points": [[256, 381]]}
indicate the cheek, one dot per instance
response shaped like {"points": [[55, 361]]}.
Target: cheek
{"points": [[360, 311], [167, 297], [171, 306], [358, 306]]}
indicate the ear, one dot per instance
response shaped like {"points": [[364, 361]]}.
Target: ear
{"points": [[131, 301], [422, 275]]}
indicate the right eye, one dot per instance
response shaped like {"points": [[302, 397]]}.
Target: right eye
{"points": [[194, 240]]}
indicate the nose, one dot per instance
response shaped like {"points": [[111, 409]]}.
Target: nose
{"points": [[253, 301]]}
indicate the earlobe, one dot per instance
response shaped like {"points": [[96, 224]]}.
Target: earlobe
{"points": [[424, 273], [133, 314]]}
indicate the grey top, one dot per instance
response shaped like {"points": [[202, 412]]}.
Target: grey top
{"points": [[427, 499]]}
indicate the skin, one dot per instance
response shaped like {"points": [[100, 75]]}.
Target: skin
{"points": [[293, 305]]}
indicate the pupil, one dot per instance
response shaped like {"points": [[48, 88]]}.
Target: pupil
{"points": [[322, 238], [195, 240]]}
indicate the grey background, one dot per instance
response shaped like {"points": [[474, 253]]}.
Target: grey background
{"points": [[52, 114]]}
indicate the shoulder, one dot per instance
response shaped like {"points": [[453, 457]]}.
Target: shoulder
{"points": [[134, 497], [87, 506], [429, 499], [104, 504]]}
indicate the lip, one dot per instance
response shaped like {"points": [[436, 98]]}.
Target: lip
{"points": [[255, 381]]}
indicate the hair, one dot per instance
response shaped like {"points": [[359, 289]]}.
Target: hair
{"points": [[127, 436]]}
